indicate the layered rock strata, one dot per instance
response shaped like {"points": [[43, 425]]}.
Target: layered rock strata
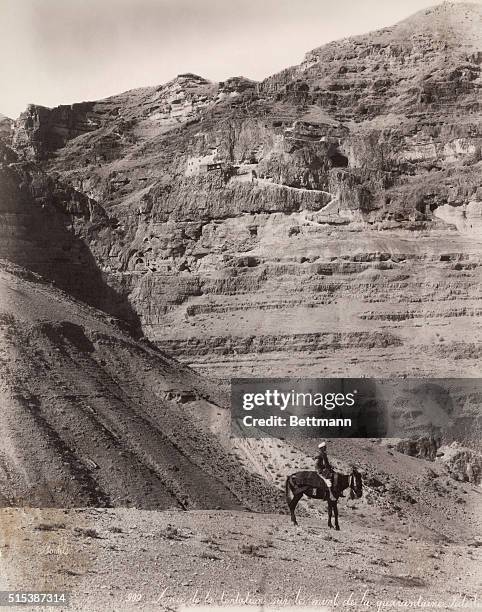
{"points": [[321, 222]]}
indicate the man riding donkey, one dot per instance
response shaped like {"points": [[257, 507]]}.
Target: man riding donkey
{"points": [[325, 470], [308, 483]]}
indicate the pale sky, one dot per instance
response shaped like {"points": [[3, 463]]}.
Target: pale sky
{"points": [[63, 51]]}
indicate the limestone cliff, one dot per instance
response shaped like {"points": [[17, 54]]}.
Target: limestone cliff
{"points": [[321, 222]]}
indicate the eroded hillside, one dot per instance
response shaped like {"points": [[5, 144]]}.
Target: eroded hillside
{"points": [[91, 417], [324, 221]]}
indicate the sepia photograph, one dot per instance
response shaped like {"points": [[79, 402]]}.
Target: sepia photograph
{"points": [[211, 213]]}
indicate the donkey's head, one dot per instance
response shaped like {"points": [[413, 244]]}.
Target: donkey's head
{"points": [[356, 485]]}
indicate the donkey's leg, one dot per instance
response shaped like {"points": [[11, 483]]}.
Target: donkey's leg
{"points": [[329, 515], [335, 511], [292, 505]]}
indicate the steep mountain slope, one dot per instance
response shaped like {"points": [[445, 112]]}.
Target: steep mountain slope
{"points": [[92, 417], [45, 228], [326, 220]]}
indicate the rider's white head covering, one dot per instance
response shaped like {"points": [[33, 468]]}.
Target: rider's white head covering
{"points": [[322, 445]]}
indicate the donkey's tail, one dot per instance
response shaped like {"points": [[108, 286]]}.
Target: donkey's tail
{"points": [[288, 490]]}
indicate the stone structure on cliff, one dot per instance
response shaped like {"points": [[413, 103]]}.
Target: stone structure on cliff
{"points": [[324, 221]]}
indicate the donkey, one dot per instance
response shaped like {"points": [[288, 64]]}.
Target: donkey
{"points": [[313, 486]]}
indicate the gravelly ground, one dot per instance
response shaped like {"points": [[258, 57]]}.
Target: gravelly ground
{"points": [[143, 560]]}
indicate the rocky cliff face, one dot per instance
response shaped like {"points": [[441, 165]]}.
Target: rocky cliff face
{"points": [[322, 222], [463, 464], [46, 226]]}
